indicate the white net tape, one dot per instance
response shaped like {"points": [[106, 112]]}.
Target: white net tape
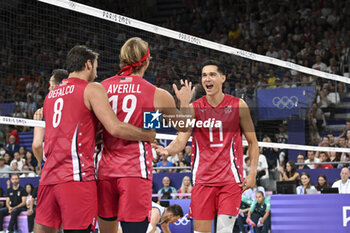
{"points": [[188, 38]]}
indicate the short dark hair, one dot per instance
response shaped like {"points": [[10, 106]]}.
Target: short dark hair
{"points": [[221, 68], [59, 75], [176, 210], [14, 174], [78, 56]]}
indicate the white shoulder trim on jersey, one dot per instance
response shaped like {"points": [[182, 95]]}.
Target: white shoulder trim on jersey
{"points": [[142, 159], [233, 164], [75, 159], [196, 163]]}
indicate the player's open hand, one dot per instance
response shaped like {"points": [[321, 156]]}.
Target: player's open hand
{"points": [[249, 181], [184, 95], [160, 150]]}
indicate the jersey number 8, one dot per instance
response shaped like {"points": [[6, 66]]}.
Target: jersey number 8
{"points": [[58, 106]]}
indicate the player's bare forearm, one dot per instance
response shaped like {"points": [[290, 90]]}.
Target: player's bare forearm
{"points": [[37, 145], [248, 129], [165, 228], [133, 133], [253, 153], [266, 215], [179, 143]]}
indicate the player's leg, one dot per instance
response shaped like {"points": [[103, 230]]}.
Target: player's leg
{"points": [[134, 204], [38, 228], [135, 227], [48, 214], [203, 207], [78, 205], [108, 224], [228, 203], [108, 206]]}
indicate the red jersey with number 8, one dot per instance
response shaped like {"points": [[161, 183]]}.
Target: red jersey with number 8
{"points": [[217, 153], [129, 97], [70, 129]]}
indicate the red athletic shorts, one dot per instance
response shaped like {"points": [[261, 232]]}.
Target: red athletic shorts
{"points": [[206, 201], [72, 204], [129, 199]]}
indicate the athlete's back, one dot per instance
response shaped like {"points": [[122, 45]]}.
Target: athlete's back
{"points": [[217, 155], [129, 96], [70, 129]]}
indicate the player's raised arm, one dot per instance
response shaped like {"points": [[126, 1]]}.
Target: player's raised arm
{"points": [[177, 145], [96, 97], [253, 149], [165, 102]]}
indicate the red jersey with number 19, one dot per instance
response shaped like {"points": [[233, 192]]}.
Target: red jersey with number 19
{"points": [[129, 96], [217, 153], [70, 129]]}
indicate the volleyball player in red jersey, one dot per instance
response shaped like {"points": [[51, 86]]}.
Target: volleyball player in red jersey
{"points": [[217, 153], [67, 191], [125, 168]]}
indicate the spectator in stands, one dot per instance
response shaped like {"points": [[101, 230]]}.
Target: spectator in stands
{"points": [[262, 169], [4, 168], [251, 193], [331, 139], [270, 154], [343, 184], [324, 142], [2, 140], [7, 158], [246, 202], [2, 203], [2, 151], [19, 160], [327, 101], [186, 187], [324, 158], [259, 213], [12, 147], [282, 137], [347, 127], [341, 142], [14, 166], [305, 183], [290, 173], [165, 163], [167, 190], [313, 129], [319, 65], [301, 159], [246, 166], [334, 157], [22, 152], [31, 210], [31, 160], [188, 155], [312, 159], [321, 183], [26, 169], [15, 204]]}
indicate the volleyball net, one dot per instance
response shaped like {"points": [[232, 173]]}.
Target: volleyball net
{"points": [[38, 34]]}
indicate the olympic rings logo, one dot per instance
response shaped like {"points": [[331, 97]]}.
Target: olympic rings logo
{"points": [[182, 221], [285, 102]]}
